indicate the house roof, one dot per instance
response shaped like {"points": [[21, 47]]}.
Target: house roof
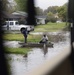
{"points": [[21, 13], [8, 15]]}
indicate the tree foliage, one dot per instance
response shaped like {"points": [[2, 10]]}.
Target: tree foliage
{"points": [[5, 5], [52, 9], [39, 11], [21, 5], [51, 17], [62, 12]]}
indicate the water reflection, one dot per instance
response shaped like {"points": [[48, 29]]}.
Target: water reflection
{"points": [[45, 50]]}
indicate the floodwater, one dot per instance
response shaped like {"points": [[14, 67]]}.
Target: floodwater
{"points": [[12, 44], [20, 65]]}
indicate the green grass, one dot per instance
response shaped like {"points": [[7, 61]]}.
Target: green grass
{"points": [[50, 27], [13, 37], [17, 50], [19, 37], [32, 38]]}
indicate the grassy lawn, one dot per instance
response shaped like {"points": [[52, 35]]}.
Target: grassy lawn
{"points": [[17, 50], [13, 37], [50, 27], [32, 38], [20, 37]]}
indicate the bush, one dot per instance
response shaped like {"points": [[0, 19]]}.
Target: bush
{"points": [[51, 19]]}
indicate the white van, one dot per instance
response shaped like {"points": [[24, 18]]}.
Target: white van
{"points": [[14, 25]]}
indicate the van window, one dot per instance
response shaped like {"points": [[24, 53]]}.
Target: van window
{"points": [[16, 23], [11, 23]]}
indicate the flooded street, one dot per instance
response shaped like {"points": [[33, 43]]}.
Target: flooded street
{"points": [[20, 65]]}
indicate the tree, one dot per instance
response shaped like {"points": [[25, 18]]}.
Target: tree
{"points": [[21, 5], [52, 9], [51, 17], [62, 12], [39, 11], [8, 6], [5, 5]]}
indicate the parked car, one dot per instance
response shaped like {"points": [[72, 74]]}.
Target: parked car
{"points": [[14, 25]]}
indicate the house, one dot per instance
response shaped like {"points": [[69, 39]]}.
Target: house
{"points": [[41, 19], [19, 16], [20, 13], [22, 17], [8, 16]]}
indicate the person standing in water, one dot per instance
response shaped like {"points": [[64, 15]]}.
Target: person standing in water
{"points": [[25, 34]]}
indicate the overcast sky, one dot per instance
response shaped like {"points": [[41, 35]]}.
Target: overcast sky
{"points": [[46, 3]]}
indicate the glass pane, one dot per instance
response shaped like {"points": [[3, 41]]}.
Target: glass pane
{"points": [[44, 41]]}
